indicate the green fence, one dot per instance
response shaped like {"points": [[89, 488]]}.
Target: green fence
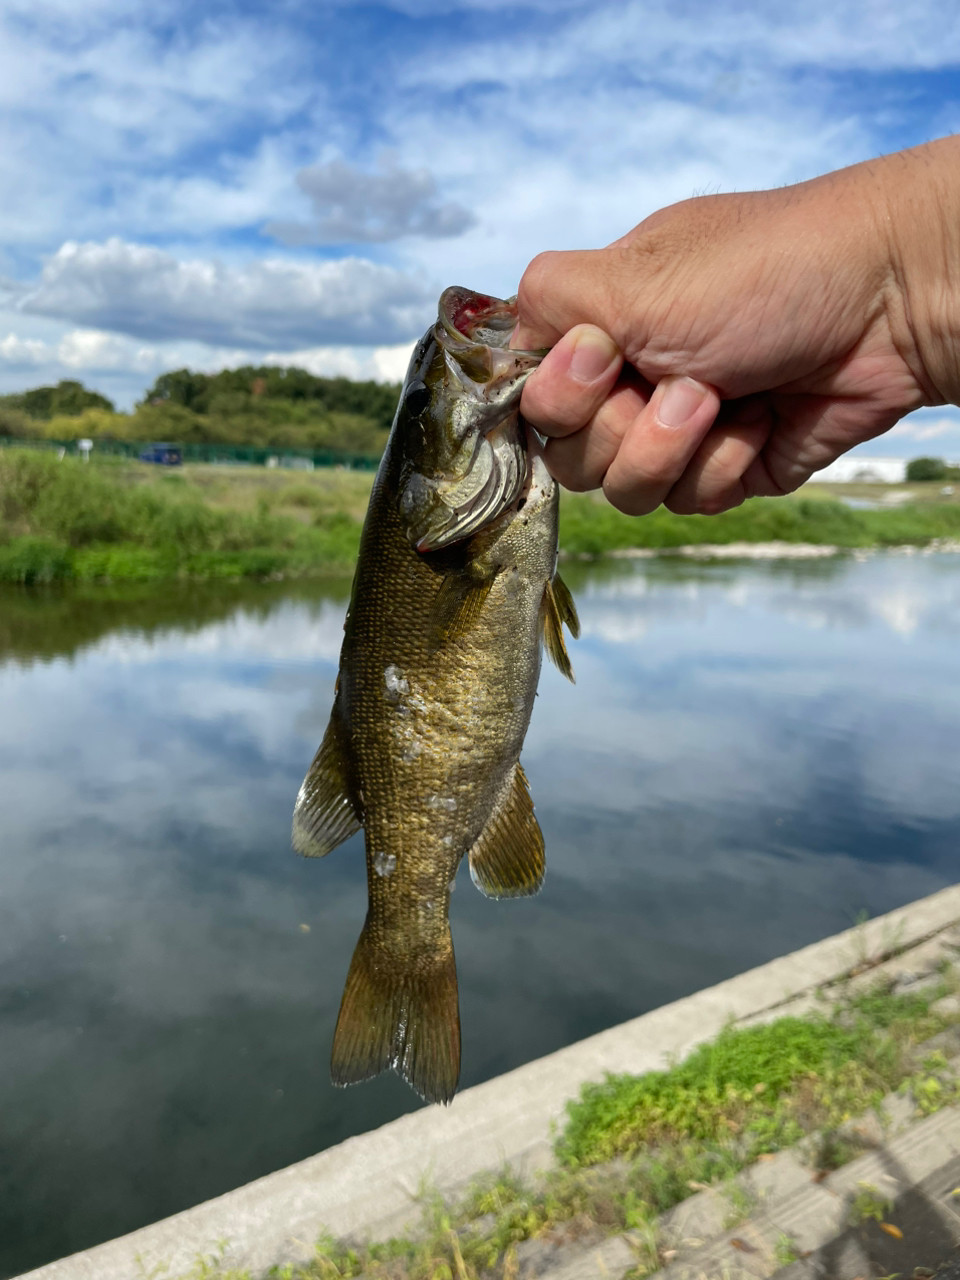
{"points": [[236, 455]]}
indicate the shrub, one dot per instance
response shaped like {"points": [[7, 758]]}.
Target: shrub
{"points": [[922, 469], [31, 561]]}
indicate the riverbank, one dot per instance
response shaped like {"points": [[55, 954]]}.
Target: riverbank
{"points": [[123, 521], [798, 1053]]}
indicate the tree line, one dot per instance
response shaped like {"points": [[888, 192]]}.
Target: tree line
{"points": [[268, 406]]}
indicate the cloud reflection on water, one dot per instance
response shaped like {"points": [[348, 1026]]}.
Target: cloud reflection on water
{"points": [[752, 754]]}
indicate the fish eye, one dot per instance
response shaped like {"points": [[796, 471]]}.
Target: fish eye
{"points": [[417, 399]]}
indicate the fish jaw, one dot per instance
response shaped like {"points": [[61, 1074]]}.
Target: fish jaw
{"points": [[458, 430]]}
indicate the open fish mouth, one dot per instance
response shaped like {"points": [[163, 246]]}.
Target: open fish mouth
{"points": [[479, 396], [477, 317]]}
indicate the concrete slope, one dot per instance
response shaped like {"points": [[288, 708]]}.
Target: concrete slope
{"points": [[366, 1185]]}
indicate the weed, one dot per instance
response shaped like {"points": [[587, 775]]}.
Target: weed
{"points": [[786, 1250], [760, 1088], [742, 1204], [867, 1204], [831, 1150], [590, 527], [34, 561]]}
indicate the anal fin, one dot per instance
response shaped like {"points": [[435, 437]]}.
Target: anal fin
{"points": [[507, 861], [324, 815], [555, 609]]}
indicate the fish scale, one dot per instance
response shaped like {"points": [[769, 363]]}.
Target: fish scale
{"points": [[455, 590]]}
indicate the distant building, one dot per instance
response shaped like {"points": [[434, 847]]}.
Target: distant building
{"points": [[854, 469]]}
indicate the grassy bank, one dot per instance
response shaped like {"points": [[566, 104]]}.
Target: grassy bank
{"points": [[635, 1146], [590, 526], [126, 521], [113, 520]]}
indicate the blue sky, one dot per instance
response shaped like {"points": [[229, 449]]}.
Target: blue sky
{"points": [[297, 182]]}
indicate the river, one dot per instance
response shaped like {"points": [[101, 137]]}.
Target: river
{"points": [[754, 754]]}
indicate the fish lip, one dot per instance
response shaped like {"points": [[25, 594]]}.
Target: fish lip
{"points": [[461, 311]]}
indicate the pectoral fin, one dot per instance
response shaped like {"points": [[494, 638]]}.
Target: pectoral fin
{"points": [[325, 815], [456, 606], [556, 609], [507, 860]]}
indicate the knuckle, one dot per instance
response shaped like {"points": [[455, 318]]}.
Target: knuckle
{"points": [[716, 504], [534, 284]]}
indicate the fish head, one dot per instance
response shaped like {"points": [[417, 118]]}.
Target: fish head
{"points": [[462, 440]]}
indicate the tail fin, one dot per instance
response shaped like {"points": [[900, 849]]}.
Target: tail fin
{"points": [[405, 1019]]}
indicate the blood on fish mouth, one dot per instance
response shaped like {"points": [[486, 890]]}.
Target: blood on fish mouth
{"points": [[471, 307]]}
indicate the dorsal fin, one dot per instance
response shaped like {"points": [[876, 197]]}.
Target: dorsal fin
{"points": [[507, 860], [325, 815], [553, 613]]}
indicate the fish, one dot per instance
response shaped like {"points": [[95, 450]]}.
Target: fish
{"points": [[456, 592]]}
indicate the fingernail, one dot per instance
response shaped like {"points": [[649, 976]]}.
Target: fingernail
{"points": [[681, 400], [593, 354]]}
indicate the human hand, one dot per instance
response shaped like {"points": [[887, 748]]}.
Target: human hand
{"points": [[729, 346]]}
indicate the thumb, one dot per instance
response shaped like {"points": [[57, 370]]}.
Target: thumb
{"points": [[560, 290]]}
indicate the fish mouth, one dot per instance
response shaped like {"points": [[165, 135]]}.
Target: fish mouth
{"points": [[478, 465], [478, 318], [474, 331]]}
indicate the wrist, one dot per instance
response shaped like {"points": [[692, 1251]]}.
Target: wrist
{"points": [[921, 215]]}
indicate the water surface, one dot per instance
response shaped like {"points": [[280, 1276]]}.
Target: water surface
{"points": [[753, 754]]}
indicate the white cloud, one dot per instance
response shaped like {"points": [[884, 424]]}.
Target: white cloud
{"points": [[381, 364], [103, 357], [23, 352], [143, 291], [542, 134], [923, 429]]}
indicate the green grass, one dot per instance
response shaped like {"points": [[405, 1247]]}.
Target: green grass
{"points": [[67, 520], [765, 1086], [636, 1146], [591, 527]]}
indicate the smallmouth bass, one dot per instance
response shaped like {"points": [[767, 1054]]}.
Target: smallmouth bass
{"points": [[455, 591]]}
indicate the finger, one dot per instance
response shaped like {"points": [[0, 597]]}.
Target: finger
{"points": [[715, 478], [560, 290], [658, 446], [580, 461], [573, 381]]}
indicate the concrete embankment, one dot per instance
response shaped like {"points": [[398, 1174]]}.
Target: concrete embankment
{"points": [[365, 1187]]}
